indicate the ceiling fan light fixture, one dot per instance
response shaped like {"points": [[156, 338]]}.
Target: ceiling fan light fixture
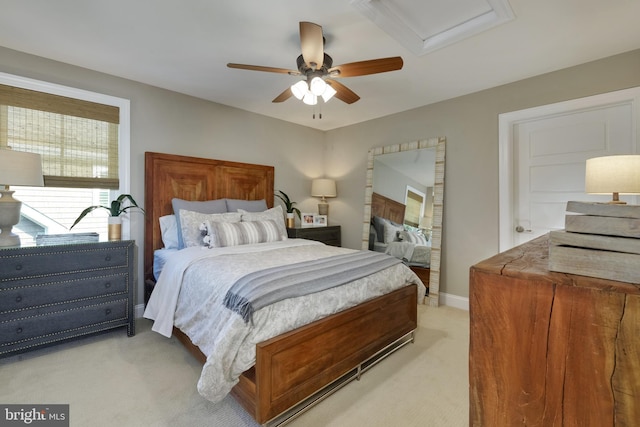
{"points": [[317, 86], [310, 99], [328, 93], [299, 89]]}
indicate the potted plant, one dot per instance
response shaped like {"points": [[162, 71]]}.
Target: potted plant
{"points": [[117, 208], [289, 208]]}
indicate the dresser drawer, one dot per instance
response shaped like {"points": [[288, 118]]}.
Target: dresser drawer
{"points": [[23, 330], [43, 262], [26, 296], [330, 235]]}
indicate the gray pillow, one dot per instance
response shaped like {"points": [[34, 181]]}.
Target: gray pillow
{"points": [[246, 205], [378, 225], [207, 207]]}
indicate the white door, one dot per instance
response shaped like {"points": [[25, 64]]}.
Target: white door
{"points": [[543, 154]]}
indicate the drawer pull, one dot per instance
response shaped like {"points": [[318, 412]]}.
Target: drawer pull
{"points": [[107, 311], [19, 298], [107, 258], [18, 267], [18, 330], [107, 285]]}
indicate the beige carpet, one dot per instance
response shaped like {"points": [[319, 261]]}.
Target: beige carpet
{"points": [[149, 380]]}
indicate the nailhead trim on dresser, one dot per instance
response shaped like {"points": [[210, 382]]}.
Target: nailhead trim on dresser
{"points": [[61, 292]]}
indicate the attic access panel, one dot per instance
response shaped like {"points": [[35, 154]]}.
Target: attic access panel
{"points": [[423, 27]]}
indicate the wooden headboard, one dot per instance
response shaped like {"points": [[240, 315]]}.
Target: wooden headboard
{"points": [[386, 208], [192, 178]]}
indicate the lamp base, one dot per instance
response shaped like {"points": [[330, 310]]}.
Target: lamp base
{"points": [[323, 208], [7, 239], [9, 216], [616, 200]]}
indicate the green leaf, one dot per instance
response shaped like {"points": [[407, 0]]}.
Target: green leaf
{"points": [[288, 204], [116, 208]]}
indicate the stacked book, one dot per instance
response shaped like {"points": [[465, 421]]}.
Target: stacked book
{"points": [[66, 239], [599, 240]]}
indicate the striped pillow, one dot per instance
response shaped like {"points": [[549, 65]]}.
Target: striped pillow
{"points": [[221, 234], [413, 237]]}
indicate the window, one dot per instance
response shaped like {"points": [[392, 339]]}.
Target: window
{"points": [[83, 138], [414, 206]]}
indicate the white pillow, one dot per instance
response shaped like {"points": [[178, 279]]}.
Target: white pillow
{"points": [[169, 231], [221, 234], [190, 222], [276, 214], [391, 232]]}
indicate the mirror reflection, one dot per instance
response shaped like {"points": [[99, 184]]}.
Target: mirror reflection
{"points": [[403, 212]]}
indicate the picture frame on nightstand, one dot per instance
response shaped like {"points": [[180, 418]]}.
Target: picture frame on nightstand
{"points": [[319, 220], [307, 220]]}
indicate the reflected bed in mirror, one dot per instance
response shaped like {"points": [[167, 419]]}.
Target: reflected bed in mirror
{"points": [[403, 206]]}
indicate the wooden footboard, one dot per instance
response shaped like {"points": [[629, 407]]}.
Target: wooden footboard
{"points": [[293, 366]]}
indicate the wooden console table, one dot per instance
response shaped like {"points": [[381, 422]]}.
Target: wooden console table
{"points": [[551, 349]]}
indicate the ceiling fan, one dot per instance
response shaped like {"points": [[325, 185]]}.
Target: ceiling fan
{"points": [[319, 71]]}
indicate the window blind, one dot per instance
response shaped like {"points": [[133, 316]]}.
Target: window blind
{"points": [[77, 139], [413, 208]]}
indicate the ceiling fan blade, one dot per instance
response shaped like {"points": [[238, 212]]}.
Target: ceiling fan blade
{"points": [[312, 44], [363, 68], [343, 93], [283, 96], [261, 68]]}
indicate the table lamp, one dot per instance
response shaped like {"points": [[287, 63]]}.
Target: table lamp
{"points": [[16, 168], [613, 175], [324, 188]]}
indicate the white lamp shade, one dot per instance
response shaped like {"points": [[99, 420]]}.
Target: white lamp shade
{"points": [[20, 168], [317, 86], [613, 174], [310, 99], [328, 93], [299, 89], [323, 187]]}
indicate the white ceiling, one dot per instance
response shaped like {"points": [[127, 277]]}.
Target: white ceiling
{"points": [[184, 46]]}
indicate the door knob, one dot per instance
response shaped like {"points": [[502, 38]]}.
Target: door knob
{"points": [[520, 229]]}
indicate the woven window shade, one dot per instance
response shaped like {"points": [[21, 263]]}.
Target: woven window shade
{"points": [[78, 140], [413, 208]]}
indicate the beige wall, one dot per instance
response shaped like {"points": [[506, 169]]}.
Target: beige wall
{"points": [[169, 122], [165, 121], [470, 125]]}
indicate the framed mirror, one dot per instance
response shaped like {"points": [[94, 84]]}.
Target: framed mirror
{"points": [[410, 172]]}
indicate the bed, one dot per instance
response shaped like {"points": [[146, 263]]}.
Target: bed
{"points": [[388, 235], [296, 368]]}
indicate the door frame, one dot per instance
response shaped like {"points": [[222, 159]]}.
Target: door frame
{"points": [[506, 124]]}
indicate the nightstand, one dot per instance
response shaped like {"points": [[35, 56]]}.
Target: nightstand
{"points": [[56, 293], [330, 235], [423, 274]]}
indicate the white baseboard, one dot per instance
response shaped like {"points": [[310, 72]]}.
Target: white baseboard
{"points": [[454, 301]]}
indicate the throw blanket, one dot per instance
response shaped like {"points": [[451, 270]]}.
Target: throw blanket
{"points": [[262, 288]]}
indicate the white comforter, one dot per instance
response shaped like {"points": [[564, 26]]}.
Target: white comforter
{"points": [[193, 283]]}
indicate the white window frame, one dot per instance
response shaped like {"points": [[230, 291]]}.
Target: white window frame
{"points": [[124, 128]]}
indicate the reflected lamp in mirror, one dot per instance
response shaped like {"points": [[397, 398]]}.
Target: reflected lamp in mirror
{"points": [[323, 188], [613, 175], [16, 168]]}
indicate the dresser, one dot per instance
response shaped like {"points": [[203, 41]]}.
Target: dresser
{"points": [[55, 293], [330, 235], [548, 348]]}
